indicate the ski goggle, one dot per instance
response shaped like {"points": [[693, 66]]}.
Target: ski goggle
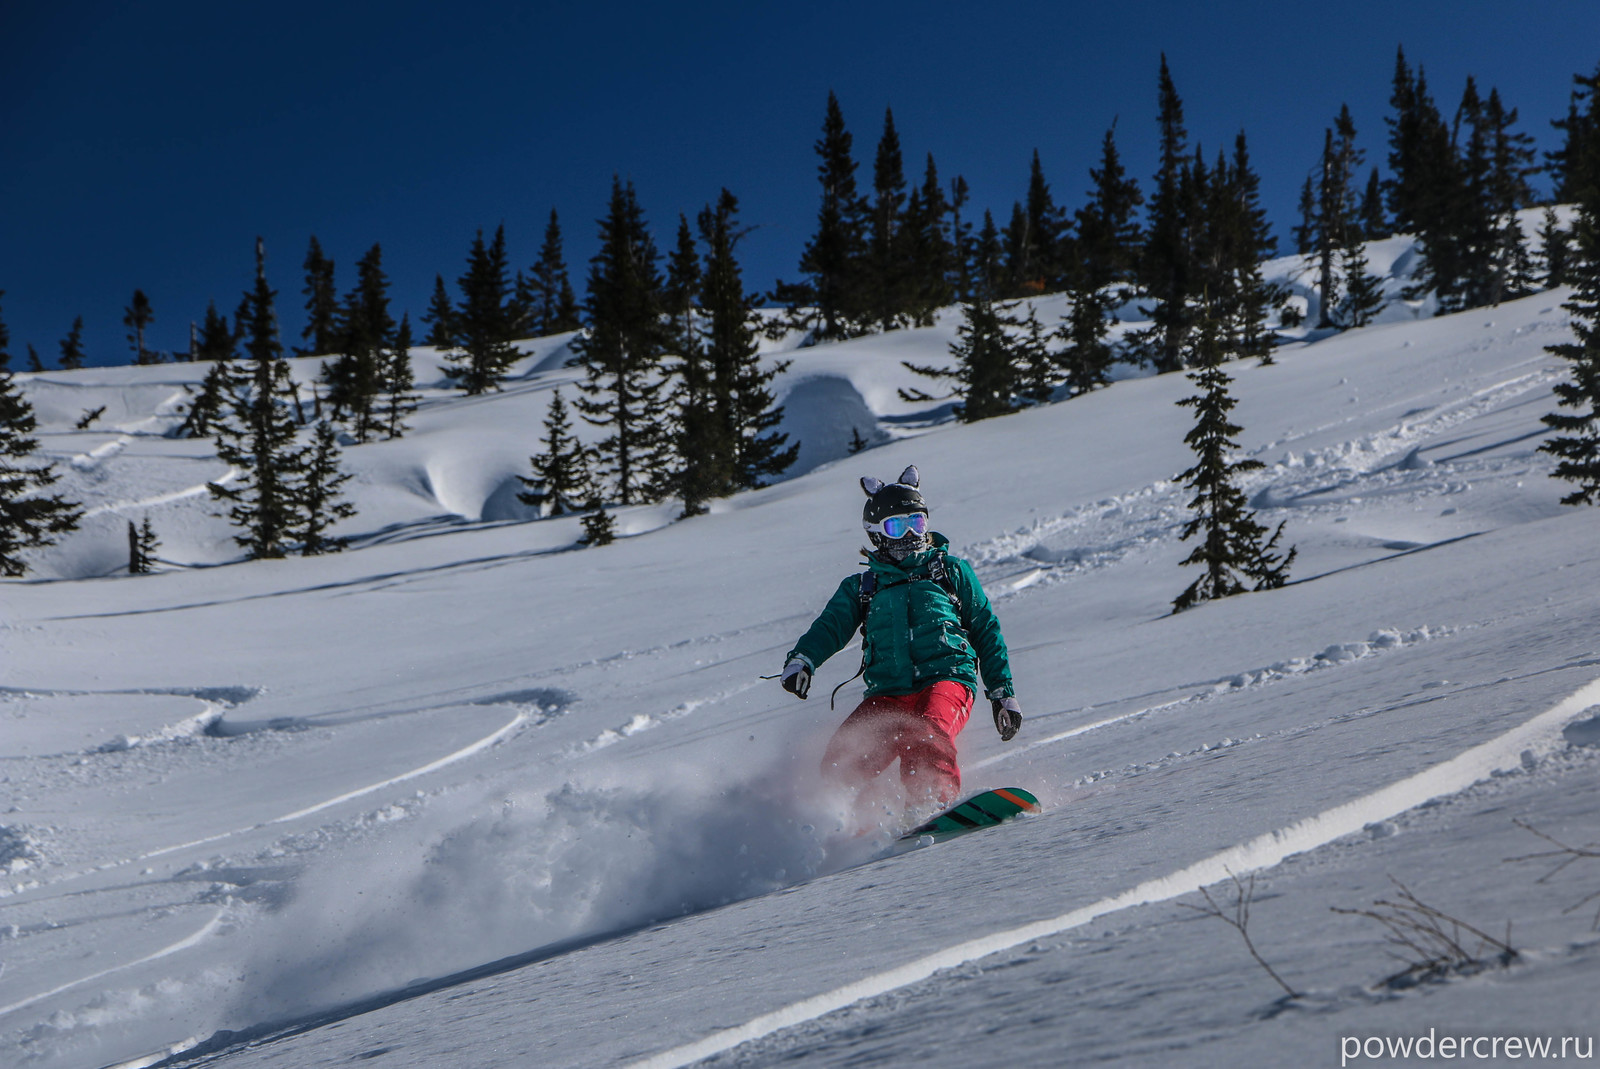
{"points": [[899, 526]]}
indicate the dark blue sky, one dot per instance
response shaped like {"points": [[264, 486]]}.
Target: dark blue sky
{"points": [[146, 145]]}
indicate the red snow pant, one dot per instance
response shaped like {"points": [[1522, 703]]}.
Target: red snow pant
{"points": [[920, 729]]}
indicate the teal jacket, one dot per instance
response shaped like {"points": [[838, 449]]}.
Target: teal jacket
{"points": [[914, 634]]}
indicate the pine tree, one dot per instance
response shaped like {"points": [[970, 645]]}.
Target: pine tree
{"points": [[549, 292], [561, 482], [961, 240], [1575, 166], [5, 341], [72, 347], [1338, 225], [1234, 548], [487, 320], [142, 546], [211, 404], [1577, 444], [136, 317], [1363, 296], [440, 318], [217, 339], [599, 528], [830, 303], [320, 500], [399, 381], [1038, 369], [1042, 255], [28, 519], [365, 327], [1166, 266], [886, 266], [985, 372], [930, 256], [1506, 191], [1108, 233], [703, 469], [1369, 216], [1249, 241], [322, 304], [34, 363], [622, 350], [1305, 235], [257, 436], [1555, 245]]}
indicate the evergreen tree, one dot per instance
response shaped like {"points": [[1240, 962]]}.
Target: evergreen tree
{"points": [[487, 320], [561, 482], [1577, 444], [5, 341], [1369, 216], [1044, 249], [440, 318], [1248, 241], [887, 267], [257, 436], [549, 293], [1363, 293], [142, 546], [72, 347], [217, 339], [1506, 191], [931, 258], [622, 352], [365, 327], [399, 381], [34, 363], [961, 240], [985, 371], [1305, 235], [599, 528], [830, 303], [136, 317], [322, 304], [703, 469], [742, 387], [1430, 195], [1108, 233], [1338, 225], [1038, 369], [321, 502], [1166, 266], [28, 518], [1234, 548], [1575, 166], [211, 404], [1555, 246]]}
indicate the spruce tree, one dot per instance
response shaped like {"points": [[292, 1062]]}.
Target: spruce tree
{"points": [[72, 347], [1166, 265], [1577, 443], [486, 321], [322, 304], [703, 469], [887, 267], [1575, 166], [1234, 548], [1363, 296], [1106, 257], [217, 339], [1555, 249], [365, 327], [34, 363], [440, 318], [399, 381], [830, 303], [961, 240], [256, 438], [321, 501], [1038, 369], [28, 518], [599, 528], [142, 546], [136, 317], [1506, 191], [1249, 241], [1305, 234], [622, 352], [1370, 215], [1045, 246], [561, 481], [985, 370], [549, 292], [930, 255], [211, 404]]}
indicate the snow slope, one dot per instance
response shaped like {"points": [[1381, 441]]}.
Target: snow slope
{"points": [[469, 795]]}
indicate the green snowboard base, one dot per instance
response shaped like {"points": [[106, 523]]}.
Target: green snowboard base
{"points": [[980, 811]]}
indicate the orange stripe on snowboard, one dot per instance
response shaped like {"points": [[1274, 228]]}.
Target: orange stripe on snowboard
{"points": [[1020, 803]]}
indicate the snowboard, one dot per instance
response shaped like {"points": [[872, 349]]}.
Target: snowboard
{"points": [[980, 811]]}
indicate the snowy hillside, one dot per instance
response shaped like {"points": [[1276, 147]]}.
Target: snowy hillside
{"points": [[467, 794]]}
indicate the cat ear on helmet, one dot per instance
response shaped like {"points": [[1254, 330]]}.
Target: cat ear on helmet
{"points": [[870, 485], [909, 477]]}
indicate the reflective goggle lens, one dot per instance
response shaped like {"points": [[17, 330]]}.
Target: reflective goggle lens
{"points": [[899, 526]]}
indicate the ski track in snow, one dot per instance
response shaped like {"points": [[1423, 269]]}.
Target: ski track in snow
{"points": [[163, 499], [1539, 735], [1337, 654]]}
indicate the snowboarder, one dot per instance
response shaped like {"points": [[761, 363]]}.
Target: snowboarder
{"points": [[927, 630]]}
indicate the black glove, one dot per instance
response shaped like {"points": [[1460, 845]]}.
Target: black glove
{"points": [[797, 678], [1007, 717]]}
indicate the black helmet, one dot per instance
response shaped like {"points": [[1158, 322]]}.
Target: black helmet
{"points": [[898, 498]]}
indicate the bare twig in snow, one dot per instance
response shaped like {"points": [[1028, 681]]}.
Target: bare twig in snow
{"points": [[1564, 856], [1430, 941], [1239, 920]]}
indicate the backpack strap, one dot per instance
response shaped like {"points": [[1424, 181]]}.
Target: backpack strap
{"points": [[938, 572]]}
